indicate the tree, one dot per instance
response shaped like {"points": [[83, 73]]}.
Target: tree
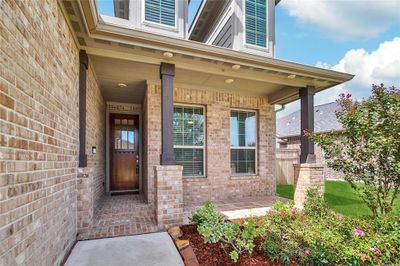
{"points": [[367, 150]]}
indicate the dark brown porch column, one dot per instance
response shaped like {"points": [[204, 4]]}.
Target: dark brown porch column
{"points": [[167, 73], [83, 66], [307, 123]]}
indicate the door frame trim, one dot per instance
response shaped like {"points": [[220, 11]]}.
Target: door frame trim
{"points": [[133, 109]]}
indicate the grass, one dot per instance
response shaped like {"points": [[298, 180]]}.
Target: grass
{"points": [[341, 198]]}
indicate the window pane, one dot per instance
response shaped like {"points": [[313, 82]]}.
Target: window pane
{"points": [[243, 161], [243, 129], [189, 131], [256, 22], [131, 140], [192, 161], [160, 11], [124, 139], [188, 126]]}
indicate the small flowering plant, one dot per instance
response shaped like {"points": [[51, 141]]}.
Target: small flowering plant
{"points": [[358, 232], [367, 149], [375, 250]]}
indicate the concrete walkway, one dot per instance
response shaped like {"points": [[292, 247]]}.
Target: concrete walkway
{"points": [[141, 250]]}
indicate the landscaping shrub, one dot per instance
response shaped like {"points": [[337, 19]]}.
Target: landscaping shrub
{"points": [[367, 149], [232, 235], [314, 205], [315, 236], [206, 214], [320, 237]]}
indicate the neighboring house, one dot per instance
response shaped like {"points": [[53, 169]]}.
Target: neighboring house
{"points": [[93, 105], [288, 132]]}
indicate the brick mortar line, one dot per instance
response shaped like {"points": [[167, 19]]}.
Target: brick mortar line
{"points": [[30, 118]]}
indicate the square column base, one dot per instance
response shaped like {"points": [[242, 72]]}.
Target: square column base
{"points": [[169, 195], [85, 204], [307, 175]]}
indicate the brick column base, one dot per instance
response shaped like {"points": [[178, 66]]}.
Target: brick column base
{"points": [[85, 202], [307, 175], [169, 195]]}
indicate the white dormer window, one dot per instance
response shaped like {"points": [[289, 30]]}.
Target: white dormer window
{"points": [[160, 11], [256, 22]]}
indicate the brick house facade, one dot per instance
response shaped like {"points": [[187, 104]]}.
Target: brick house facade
{"points": [[47, 201]]}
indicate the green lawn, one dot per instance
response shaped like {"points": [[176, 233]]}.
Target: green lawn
{"points": [[340, 197]]}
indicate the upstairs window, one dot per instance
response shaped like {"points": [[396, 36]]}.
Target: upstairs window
{"points": [[160, 11], [189, 139], [243, 142], [256, 22]]}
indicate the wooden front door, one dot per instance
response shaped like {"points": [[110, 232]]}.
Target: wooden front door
{"points": [[124, 152]]}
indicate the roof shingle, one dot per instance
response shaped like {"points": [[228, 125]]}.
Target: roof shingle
{"points": [[324, 120]]}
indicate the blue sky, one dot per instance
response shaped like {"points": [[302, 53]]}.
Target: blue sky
{"points": [[360, 37]]}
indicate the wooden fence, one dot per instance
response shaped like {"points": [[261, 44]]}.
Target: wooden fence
{"points": [[285, 158]]}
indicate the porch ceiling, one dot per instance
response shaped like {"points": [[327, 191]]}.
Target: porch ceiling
{"points": [[111, 71]]}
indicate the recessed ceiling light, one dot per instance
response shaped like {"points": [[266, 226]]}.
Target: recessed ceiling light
{"points": [[168, 54], [291, 76], [235, 67], [121, 85], [229, 81]]}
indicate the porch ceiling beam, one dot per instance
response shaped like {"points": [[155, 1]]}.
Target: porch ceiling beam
{"points": [[204, 67], [282, 95], [307, 123], [83, 66], [167, 73]]}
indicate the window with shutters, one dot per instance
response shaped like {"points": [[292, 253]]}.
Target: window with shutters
{"points": [[160, 11], [189, 141], [256, 22], [243, 142]]}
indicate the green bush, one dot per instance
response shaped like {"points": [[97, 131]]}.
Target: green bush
{"points": [[314, 205], [367, 149], [206, 214], [238, 238], [319, 237], [314, 236]]}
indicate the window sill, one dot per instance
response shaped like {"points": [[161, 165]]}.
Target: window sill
{"points": [[245, 176], [160, 26], [194, 178]]}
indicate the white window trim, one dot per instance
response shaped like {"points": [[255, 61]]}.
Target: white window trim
{"points": [[253, 46], [196, 147], [242, 147], [159, 25]]}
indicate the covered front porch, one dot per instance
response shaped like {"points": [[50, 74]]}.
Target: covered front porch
{"points": [[132, 90], [122, 215]]}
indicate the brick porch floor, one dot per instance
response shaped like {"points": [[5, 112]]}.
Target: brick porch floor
{"points": [[238, 208], [121, 215]]}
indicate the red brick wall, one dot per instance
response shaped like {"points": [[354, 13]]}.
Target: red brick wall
{"points": [[218, 183], [38, 133], [95, 135]]}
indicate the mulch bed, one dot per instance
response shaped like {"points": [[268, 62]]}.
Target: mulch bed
{"points": [[213, 254]]}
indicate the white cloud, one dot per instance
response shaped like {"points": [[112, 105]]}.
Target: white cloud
{"points": [[346, 19], [323, 65], [375, 67]]}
